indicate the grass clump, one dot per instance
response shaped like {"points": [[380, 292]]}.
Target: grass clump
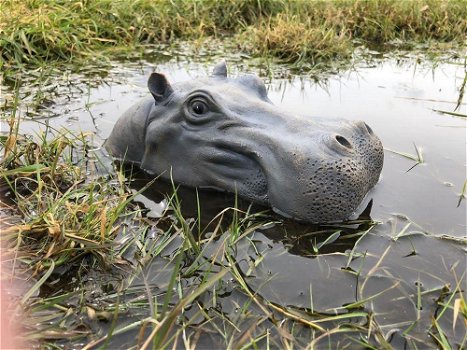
{"points": [[61, 208], [328, 29], [32, 31], [35, 30]]}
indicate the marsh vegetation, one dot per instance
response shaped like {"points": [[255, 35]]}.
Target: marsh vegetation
{"points": [[300, 32], [97, 271], [94, 261]]}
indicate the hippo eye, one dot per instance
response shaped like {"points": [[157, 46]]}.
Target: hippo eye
{"points": [[199, 107]]}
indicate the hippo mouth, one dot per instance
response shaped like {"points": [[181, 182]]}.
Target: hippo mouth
{"points": [[322, 190], [236, 169]]}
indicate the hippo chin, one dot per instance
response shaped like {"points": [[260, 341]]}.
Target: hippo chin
{"points": [[224, 133]]}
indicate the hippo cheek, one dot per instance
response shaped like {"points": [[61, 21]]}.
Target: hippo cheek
{"points": [[236, 172]]}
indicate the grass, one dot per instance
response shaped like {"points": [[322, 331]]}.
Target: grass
{"points": [[454, 114], [417, 158], [179, 286], [101, 274], [463, 193], [302, 32], [54, 200]]}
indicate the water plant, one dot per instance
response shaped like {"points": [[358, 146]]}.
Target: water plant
{"points": [[417, 158]]}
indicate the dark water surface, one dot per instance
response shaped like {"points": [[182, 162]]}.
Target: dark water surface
{"points": [[406, 256]]}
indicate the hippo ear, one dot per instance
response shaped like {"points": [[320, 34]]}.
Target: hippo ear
{"points": [[159, 86], [220, 70]]}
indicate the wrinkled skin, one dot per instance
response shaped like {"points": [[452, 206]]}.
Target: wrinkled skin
{"points": [[224, 133]]}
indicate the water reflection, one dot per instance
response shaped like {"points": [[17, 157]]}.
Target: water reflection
{"points": [[395, 269], [208, 207]]}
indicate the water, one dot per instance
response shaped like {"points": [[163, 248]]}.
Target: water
{"points": [[396, 100], [420, 204]]}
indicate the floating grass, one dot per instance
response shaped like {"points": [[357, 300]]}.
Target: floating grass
{"points": [[462, 88], [462, 194], [417, 158], [454, 114]]}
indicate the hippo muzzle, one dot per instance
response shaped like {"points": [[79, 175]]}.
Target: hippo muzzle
{"points": [[224, 133]]}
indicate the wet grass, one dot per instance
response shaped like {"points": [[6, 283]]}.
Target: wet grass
{"points": [[103, 275], [301, 32], [454, 114], [462, 194], [417, 157]]}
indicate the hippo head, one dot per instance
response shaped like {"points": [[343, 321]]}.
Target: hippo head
{"points": [[224, 133]]}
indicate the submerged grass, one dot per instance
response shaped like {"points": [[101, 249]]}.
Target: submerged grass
{"points": [[306, 32]]}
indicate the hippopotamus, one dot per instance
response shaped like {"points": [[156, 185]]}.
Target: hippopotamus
{"points": [[224, 133]]}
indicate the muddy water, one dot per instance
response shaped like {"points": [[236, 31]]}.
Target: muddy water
{"points": [[391, 263]]}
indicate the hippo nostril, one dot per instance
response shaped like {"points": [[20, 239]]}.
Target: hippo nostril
{"points": [[343, 141], [370, 130]]}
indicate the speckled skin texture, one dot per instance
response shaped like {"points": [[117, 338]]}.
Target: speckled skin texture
{"points": [[224, 133]]}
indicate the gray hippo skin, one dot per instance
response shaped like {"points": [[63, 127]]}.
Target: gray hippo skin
{"points": [[224, 133]]}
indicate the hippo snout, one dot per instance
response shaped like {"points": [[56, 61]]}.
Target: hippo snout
{"points": [[322, 177]]}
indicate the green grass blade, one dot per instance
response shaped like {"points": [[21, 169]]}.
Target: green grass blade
{"points": [[454, 114], [39, 283]]}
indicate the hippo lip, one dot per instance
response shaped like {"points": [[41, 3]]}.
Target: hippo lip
{"points": [[225, 155]]}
